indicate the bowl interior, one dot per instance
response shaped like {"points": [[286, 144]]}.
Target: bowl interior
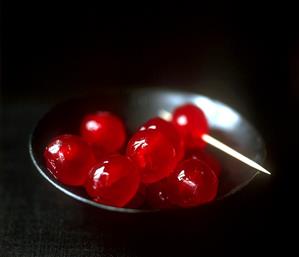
{"points": [[136, 107]]}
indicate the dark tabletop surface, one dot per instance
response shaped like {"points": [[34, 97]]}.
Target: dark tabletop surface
{"points": [[253, 69]]}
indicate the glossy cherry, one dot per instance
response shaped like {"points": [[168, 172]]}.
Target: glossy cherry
{"points": [[169, 130], [113, 181], [207, 158], [191, 123], [104, 131], [153, 153], [193, 183], [69, 159]]}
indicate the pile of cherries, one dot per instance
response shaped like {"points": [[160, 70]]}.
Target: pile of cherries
{"points": [[163, 164]]}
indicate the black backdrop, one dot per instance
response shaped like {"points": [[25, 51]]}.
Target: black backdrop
{"points": [[249, 59]]}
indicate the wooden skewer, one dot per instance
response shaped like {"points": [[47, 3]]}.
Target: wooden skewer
{"points": [[219, 145]]}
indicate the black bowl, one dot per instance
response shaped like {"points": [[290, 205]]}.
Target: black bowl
{"points": [[136, 107]]}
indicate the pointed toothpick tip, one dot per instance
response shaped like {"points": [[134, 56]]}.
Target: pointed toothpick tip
{"points": [[222, 147], [265, 171], [219, 145]]}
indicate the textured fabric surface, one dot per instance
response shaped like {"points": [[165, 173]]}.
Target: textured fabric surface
{"points": [[38, 220], [245, 59]]}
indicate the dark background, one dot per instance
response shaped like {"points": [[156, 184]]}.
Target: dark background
{"points": [[247, 58]]}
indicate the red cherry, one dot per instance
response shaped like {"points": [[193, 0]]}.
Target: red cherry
{"points": [[191, 123], [104, 131], [154, 155], [69, 159], [207, 158], [113, 181], [193, 183], [157, 195], [169, 131]]}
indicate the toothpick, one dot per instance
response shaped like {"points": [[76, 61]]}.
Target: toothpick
{"points": [[219, 145]]}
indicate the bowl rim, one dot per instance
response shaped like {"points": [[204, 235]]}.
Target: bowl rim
{"points": [[132, 210]]}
